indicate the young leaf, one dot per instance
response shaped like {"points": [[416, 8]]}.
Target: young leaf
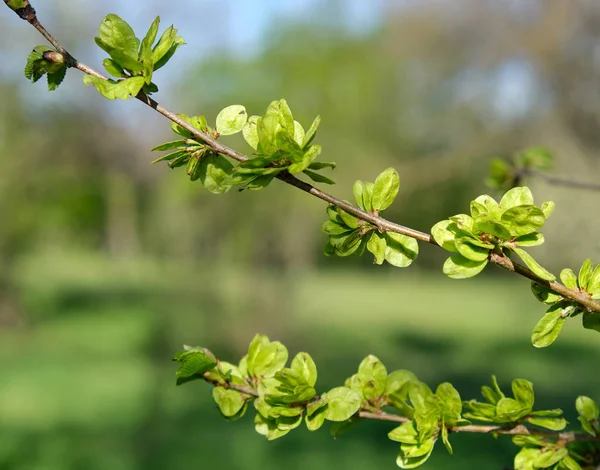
{"points": [[385, 189], [315, 414], [321, 165], [543, 294], [533, 265], [585, 274], [118, 39], [401, 250], [304, 366], [214, 171], [231, 120], [250, 131], [377, 245], [531, 239], [372, 374], [568, 278], [523, 220], [459, 267], [555, 424], [318, 178], [523, 392], [342, 403], [113, 68], [304, 159], [160, 60], [547, 208], [593, 287], [56, 78], [548, 328], [194, 363], [588, 414], [312, 132], [145, 54], [123, 89], [471, 250], [519, 196], [230, 402], [444, 237]]}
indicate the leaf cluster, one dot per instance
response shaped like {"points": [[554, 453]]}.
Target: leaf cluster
{"points": [[507, 173], [132, 61], [280, 142], [42, 61], [350, 235], [502, 228], [550, 325]]}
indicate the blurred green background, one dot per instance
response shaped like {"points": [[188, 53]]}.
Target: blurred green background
{"points": [[109, 264]]}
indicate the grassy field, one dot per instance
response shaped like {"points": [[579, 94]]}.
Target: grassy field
{"points": [[87, 381]]}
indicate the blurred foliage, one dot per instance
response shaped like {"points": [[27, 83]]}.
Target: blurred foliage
{"points": [[108, 264]]}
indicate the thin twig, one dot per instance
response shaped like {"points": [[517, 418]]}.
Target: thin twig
{"points": [[561, 181], [379, 222]]}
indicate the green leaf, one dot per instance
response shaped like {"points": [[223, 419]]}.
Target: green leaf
{"points": [[509, 410], [470, 249], [312, 132], [406, 433], [568, 278], [593, 287], [396, 381], [305, 367], [342, 403], [519, 196], [56, 78], [169, 145], [493, 228], [588, 414], [492, 208], [230, 402], [199, 122], [268, 427], [569, 464], [345, 244], [172, 156], [161, 59], [331, 227], [315, 414], [318, 178], [113, 68], [305, 159], [555, 424], [373, 374], [16, 4], [445, 439], [548, 208], [492, 394], [533, 265], [359, 195], [385, 189], [413, 456], [401, 250], [531, 239], [525, 458], [523, 392], [543, 294], [123, 89], [321, 165], [250, 131], [194, 363], [118, 39], [585, 274], [377, 245], [214, 171], [523, 220], [449, 402], [459, 267], [265, 358], [145, 54], [548, 328], [591, 321], [231, 120], [550, 457], [443, 236]]}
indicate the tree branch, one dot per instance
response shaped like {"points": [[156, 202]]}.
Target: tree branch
{"points": [[379, 222], [561, 181], [516, 430]]}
